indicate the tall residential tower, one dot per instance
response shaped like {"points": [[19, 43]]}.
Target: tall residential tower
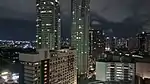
{"points": [[80, 33], [49, 64], [48, 24]]}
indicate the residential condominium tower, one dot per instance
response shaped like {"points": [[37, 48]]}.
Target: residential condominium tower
{"points": [[48, 64], [80, 33], [48, 24]]}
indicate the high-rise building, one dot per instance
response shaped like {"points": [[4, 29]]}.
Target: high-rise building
{"points": [[80, 33], [49, 67], [48, 64], [48, 24], [115, 72]]}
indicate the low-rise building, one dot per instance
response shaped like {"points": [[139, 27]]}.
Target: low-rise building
{"points": [[49, 67], [115, 72]]}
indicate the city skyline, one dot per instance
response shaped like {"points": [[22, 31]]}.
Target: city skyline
{"points": [[75, 41]]}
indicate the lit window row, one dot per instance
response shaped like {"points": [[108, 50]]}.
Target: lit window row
{"points": [[78, 37], [46, 11], [48, 24]]}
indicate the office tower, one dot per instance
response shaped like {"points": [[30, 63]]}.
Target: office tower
{"points": [[49, 67], [80, 33], [48, 24], [115, 72]]}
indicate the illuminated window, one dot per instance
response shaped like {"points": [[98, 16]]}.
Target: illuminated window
{"points": [[59, 20], [45, 68], [47, 29], [37, 25], [79, 26], [37, 19], [43, 11], [37, 4], [56, 0], [36, 63], [30, 63], [39, 7], [45, 75], [52, 3], [49, 11], [55, 30], [36, 35], [79, 37], [45, 78], [81, 32], [48, 24], [39, 37]]}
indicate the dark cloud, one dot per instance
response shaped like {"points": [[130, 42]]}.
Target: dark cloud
{"points": [[25, 9], [122, 11], [118, 10], [25, 6], [113, 10]]}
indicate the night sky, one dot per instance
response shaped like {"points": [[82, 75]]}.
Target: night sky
{"points": [[17, 17]]}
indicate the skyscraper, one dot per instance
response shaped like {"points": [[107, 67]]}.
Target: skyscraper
{"points": [[48, 24], [80, 33], [49, 64]]}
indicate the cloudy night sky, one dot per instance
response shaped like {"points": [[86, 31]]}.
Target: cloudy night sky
{"points": [[17, 17]]}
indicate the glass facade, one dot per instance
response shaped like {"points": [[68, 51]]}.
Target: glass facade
{"points": [[80, 33]]}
